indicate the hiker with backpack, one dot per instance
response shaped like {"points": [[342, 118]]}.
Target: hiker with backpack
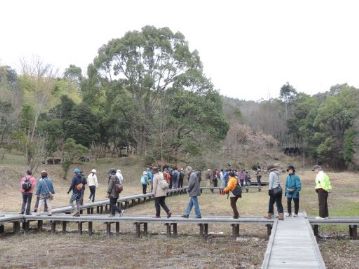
{"points": [[27, 186], [113, 192], [77, 191], [160, 187], [194, 191], [45, 190], [38, 198], [234, 188], [275, 192], [93, 184], [293, 186]]}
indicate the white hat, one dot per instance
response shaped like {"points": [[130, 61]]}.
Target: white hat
{"points": [[119, 171], [93, 171]]}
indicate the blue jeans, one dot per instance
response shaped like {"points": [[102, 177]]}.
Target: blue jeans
{"points": [[193, 202]]}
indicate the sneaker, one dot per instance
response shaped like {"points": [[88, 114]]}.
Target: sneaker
{"points": [[295, 215], [319, 217], [288, 215], [198, 217], [169, 214], [185, 216], [235, 217]]}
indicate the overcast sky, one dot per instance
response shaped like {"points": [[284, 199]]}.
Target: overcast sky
{"points": [[249, 49]]}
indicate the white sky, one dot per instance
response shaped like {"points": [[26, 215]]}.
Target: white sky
{"points": [[249, 48]]}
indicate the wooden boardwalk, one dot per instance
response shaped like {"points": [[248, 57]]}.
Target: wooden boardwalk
{"points": [[293, 245]]}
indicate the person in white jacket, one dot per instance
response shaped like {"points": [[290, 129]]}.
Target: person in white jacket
{"points": [[93, 184]]}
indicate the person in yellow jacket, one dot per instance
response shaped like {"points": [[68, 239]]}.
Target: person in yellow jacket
{"points": [[231, 185], [322, 187]]}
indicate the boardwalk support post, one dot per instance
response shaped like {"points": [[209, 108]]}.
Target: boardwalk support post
{"points": [[316, 230], [108, 228], [79, 224], [64, 224], [90, 228], [174, 229], [138, 229], [16, 226], [235, 230], [269, 230], [168, 228], [353, 232], [2, 229], [39, 225], [117, 228], [53, 226]]}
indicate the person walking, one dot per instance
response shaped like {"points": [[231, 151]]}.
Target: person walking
{"points": [[77, 188], [45, 190], [193, 191], [242, 177], [27, 187], [160, 186], [275, 192], [322, 187], [93, 184], [114, 189], [38, 198], [259, 176], [293, 186], [144, 181], [181, 177], [235, 190]]}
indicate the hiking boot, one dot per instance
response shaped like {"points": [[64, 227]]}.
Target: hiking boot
{"points": [[281, 216], [169, 214], [236, 217], [185, 216], [269, 216]]}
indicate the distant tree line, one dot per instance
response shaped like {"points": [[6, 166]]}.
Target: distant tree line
{"points": [[145, 92]]}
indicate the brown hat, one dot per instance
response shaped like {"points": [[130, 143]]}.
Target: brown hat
{"points": [[273, 166], [316, 167]]}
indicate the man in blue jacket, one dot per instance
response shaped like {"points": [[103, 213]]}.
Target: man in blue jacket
{"points": [[77, 189], [293, 186], [45, 190]]}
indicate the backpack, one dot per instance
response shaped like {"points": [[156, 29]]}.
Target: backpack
{"points": [[79, 186], [118, 186], [26, 185], [163, 183], [237, 191]]}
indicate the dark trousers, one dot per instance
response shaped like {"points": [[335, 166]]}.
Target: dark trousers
{"points": [[160, 201], [92, 193], [296, 205], [259, 180], [323, 203], [234, 206], [180, 182], [26, 202], [114, 207], [277, 199], [37, 204], [144, 188]]}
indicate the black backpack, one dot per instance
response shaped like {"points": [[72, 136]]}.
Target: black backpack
{"points": [[26, 185]]}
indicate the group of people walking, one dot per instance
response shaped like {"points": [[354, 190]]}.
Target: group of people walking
{"points": [[44, 190], [160, 183]]}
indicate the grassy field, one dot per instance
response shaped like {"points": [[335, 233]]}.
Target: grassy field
{"points": [[187, 251]]}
